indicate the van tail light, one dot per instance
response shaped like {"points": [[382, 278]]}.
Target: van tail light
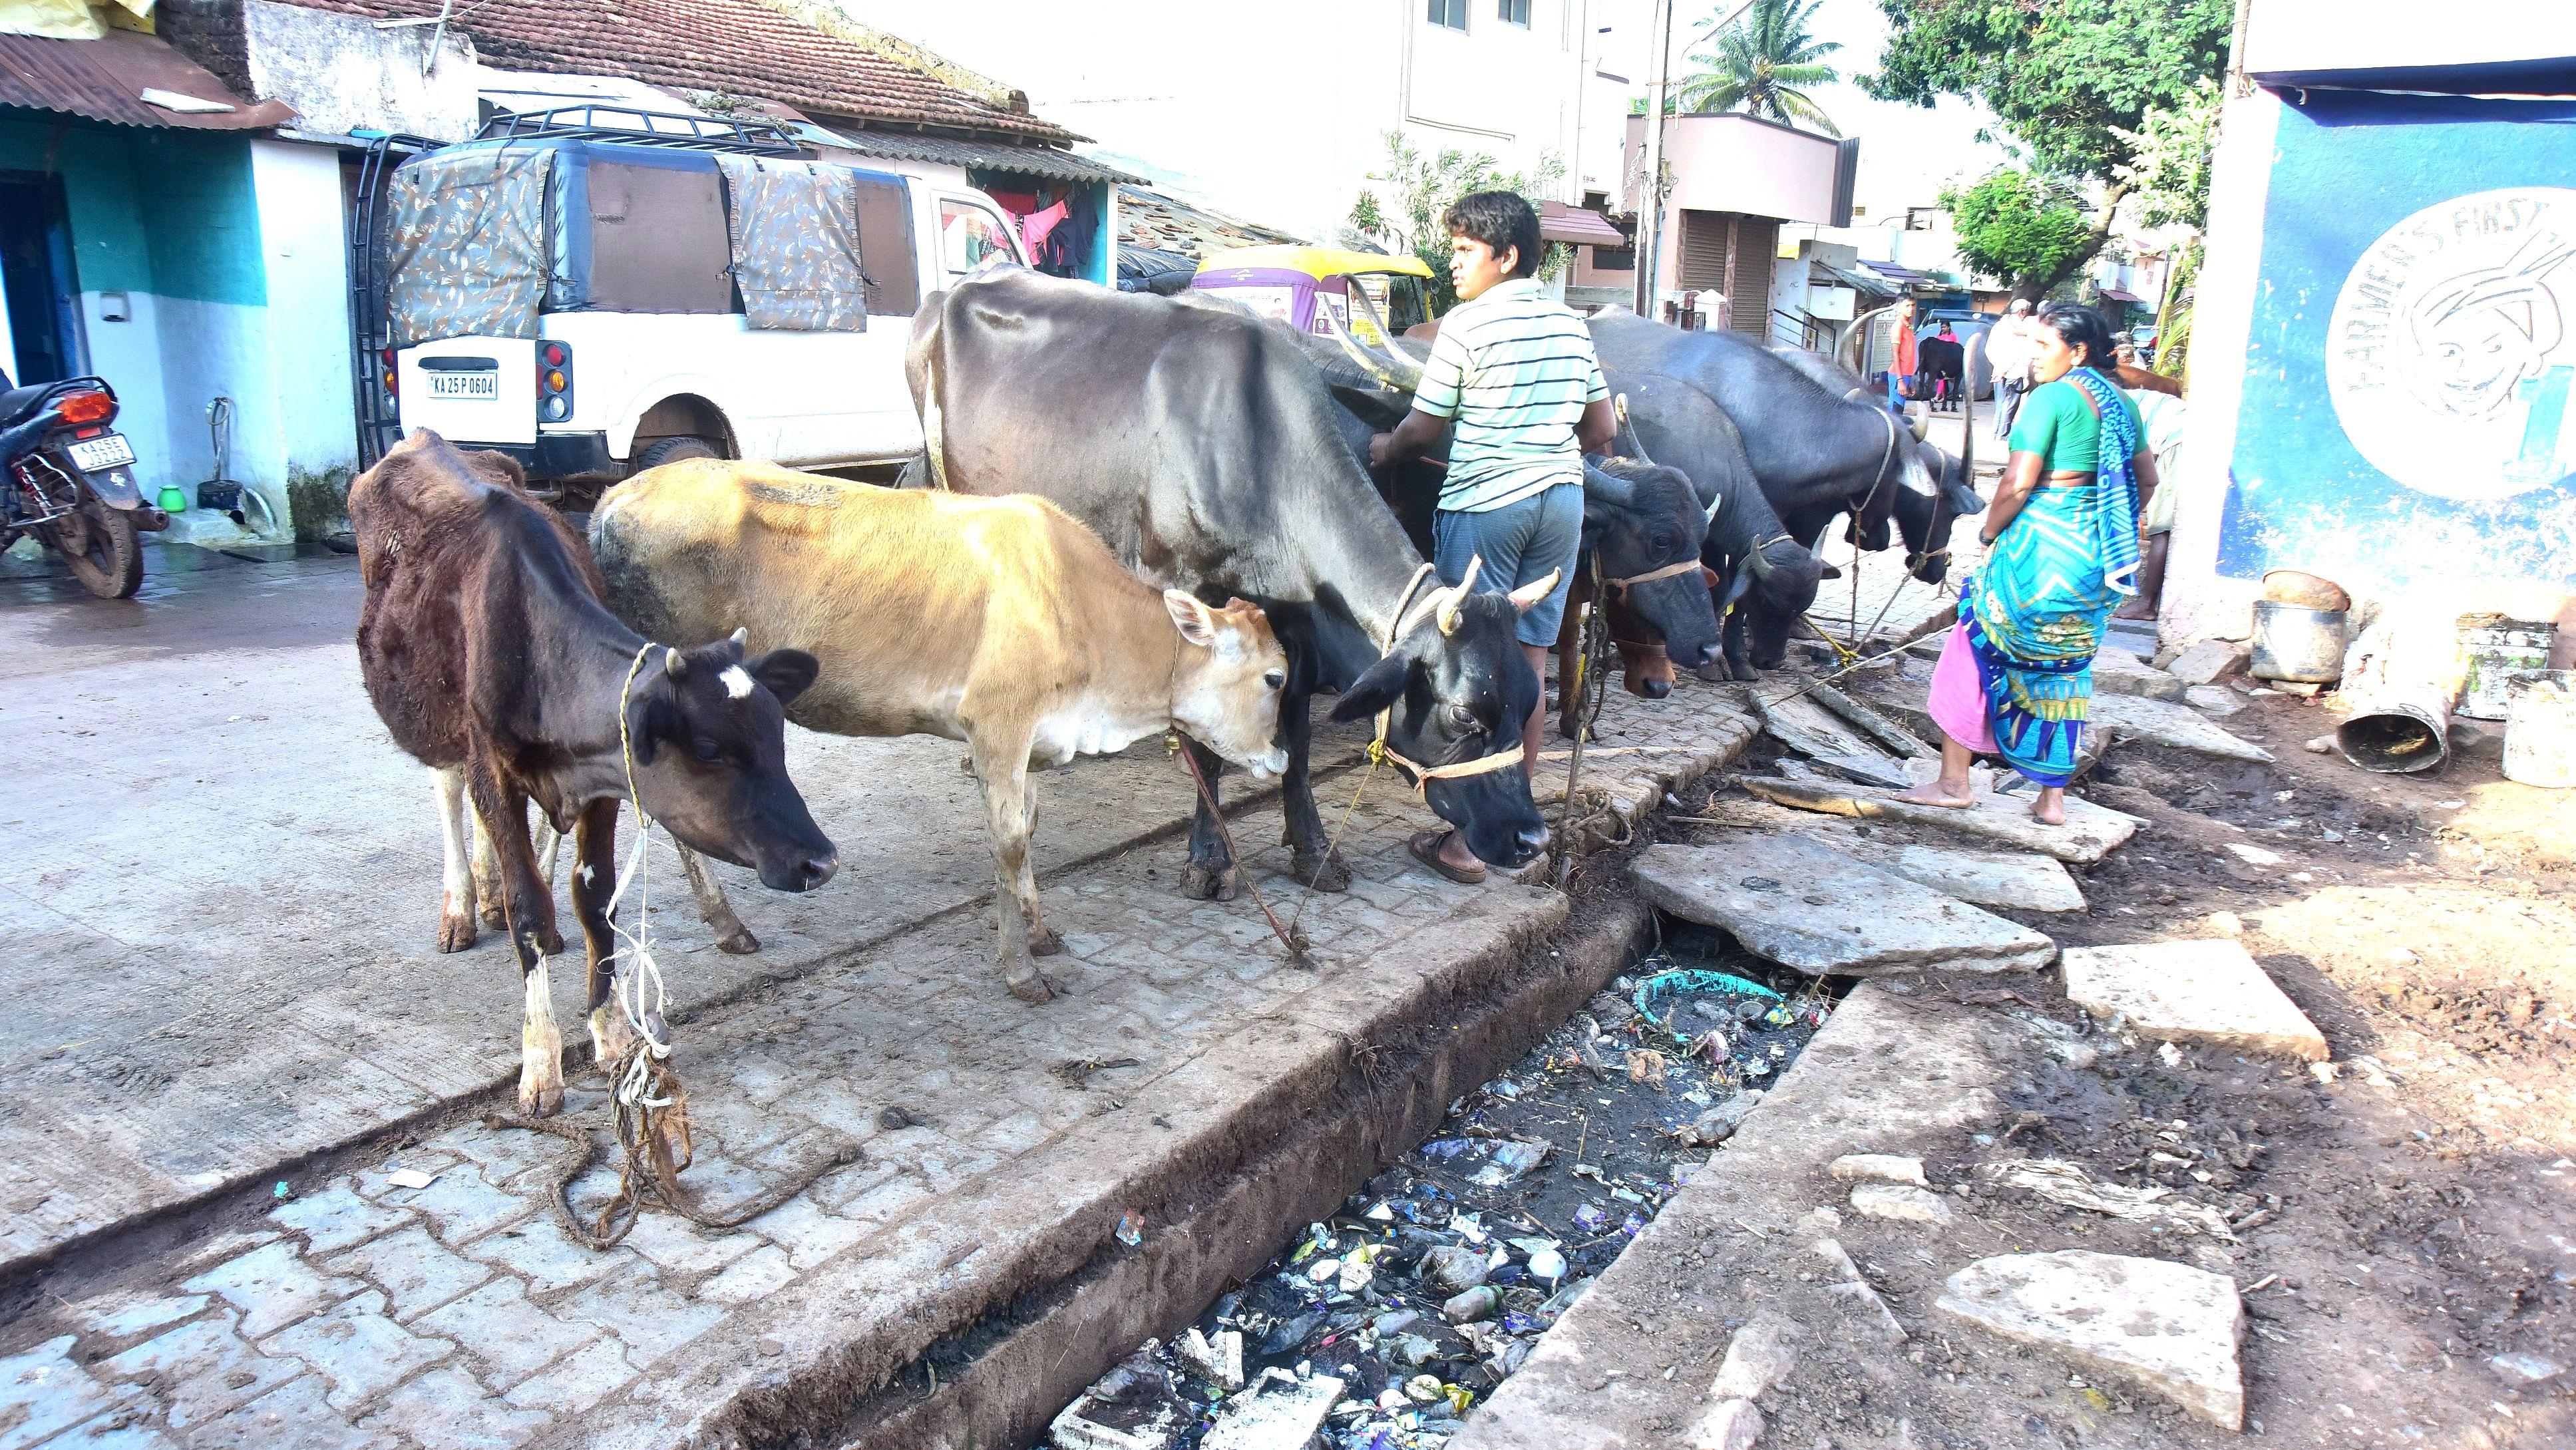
{"points": [[86, 407], [554, 382]]}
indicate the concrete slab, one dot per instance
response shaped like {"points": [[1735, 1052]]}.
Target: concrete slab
{"points": [[2179, 726], [2209, 661], [1804, 725], [2021, 880], [2090, 833], [1809, 907], [1640, 750], [2217, 701], [1890, 736], [2202, 990], [2164, 1327], [2118, 672]]}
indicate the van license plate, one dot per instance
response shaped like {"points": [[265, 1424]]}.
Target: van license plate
{"points": [[99, 454], [484, 385]]}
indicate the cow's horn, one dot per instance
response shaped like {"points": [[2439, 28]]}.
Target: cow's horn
{"points": [[674, 663], [1922, 425], [1399, 373], [1758, 563], [741, 636], [1458, 596]]}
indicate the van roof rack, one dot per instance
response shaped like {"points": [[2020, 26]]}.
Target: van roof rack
{"points": [[630, 126]]}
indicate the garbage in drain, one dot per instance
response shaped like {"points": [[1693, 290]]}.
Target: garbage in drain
{"points": [[1388, 1323]]}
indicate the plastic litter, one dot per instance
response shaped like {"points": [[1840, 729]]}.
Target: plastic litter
{"points": [[1130, 1232], [1418, 1296]]}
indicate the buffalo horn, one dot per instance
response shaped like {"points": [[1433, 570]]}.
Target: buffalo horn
{"points": [[1399, 373], [674, 663], [1759, 563], [1603, 486], [1455, 597]]}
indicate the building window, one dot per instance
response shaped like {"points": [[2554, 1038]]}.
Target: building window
{"points": [[1451, 13], [1513, 12], [1614, 259]]}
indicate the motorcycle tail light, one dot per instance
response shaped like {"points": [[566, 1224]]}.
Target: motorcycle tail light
{"points": [[86, 408]]}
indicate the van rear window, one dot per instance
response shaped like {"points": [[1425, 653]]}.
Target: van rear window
{"points": [[885, 247], [657, 240]]}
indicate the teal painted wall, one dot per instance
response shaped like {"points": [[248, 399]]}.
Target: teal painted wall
{"points": [[165, 212]]}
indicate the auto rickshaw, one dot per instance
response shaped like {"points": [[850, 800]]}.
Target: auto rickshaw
{"points": [[1301, 285]]}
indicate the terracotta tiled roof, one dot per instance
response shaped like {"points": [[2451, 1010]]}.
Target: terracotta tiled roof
{"points": [[737, 47]]}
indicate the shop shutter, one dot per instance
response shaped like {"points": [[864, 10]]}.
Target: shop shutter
{"points": [[1704, 251], [1756, 238]]}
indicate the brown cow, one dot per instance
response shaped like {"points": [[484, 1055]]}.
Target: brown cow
{"points": [[491, 660], [1002, 622]]}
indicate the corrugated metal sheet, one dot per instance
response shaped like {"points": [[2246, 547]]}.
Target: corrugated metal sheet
{"points": [[104, 80], [1026, 160]]}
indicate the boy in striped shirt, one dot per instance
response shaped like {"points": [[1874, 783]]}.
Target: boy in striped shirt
{"points": [[1514, 373]]}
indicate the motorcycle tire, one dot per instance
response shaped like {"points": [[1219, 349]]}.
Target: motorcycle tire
{"points": [[111, 563]]}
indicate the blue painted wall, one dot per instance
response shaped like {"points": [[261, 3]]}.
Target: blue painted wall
{"points": [[2409, 409]]}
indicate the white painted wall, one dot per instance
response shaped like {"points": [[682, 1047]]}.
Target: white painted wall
{"points": [[2305, 36], [2198, 602], [1277, 115], [341, 73], [305, 338]]}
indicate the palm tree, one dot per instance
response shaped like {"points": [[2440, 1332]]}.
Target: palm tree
{"points": [[1759, 63]]}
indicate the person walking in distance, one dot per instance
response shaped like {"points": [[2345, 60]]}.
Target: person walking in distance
{"points": [[2010, 349], [1514, 373], [1900, 368]]}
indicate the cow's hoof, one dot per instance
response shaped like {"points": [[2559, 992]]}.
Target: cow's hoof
{"points": [[493, 918], [455, 932], [1324, 874], [1043, 942], [541, 1096], [610, 1034], [1036, 987], [1715, 672], [738, 943], [1198, 883], [550, 941]]}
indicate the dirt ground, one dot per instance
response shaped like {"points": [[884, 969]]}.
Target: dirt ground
{"points": [[2408, 1249]]}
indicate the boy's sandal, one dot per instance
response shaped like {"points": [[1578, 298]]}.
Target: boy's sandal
{"points": [[1425, 846]]}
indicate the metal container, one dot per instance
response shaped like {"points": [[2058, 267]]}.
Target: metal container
{"points": [[2540, 730], [2293, 642], [2398, 730], [2495, 652]]}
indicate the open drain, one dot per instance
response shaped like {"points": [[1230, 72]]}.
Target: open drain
{"points": [[1380, 1328]]}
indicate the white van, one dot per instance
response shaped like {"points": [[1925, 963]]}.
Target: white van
{"points": [[596, 304]]}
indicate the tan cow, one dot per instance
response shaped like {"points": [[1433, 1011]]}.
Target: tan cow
{"points": [[1001, 622]]}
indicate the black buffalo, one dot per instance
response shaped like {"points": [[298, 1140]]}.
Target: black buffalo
{"points": [[1814, 452], [1204, 447]]}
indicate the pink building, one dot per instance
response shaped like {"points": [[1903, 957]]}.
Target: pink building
{"points": [[1731, 180]]}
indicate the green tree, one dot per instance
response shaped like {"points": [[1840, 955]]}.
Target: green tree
{"points": [[1760, 62], [2168, 168], [2016, 224], [1420, 188], [2073, 81]]}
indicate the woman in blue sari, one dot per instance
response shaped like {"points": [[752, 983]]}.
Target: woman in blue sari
{"points": [[2061, 537]]}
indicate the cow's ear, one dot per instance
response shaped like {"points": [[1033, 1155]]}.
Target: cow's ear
{"points": [[656, 720], [1380, 686], [1195, 621], [787, 673]]}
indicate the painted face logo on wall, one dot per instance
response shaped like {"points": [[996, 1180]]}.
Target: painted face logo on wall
{"points": [[2452, 349]]}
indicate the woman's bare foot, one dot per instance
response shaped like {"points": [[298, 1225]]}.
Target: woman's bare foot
{"points": [[2050, 808], [1939, 793], [2135, 609]]}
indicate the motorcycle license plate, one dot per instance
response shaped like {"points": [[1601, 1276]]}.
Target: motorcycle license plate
{"points": [[483, 385], [95, 455]]}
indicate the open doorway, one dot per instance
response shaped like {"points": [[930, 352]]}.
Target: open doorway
{"points": [[39, 322]]}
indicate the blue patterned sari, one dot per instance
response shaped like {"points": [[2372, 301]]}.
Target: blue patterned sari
{"points": [[2036, 608]]}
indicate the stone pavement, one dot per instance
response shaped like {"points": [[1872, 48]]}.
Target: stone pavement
{"points": [[221, 884], [348, 1311]]}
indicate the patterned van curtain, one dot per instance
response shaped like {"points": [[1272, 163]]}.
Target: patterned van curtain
{"points": [[469, 249], [795, 227]]}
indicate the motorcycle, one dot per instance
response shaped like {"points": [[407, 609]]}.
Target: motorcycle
{"points": [[69, 482]]}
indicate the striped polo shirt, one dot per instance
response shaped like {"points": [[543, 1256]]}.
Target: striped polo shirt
{"points": [[1514, 369]]}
